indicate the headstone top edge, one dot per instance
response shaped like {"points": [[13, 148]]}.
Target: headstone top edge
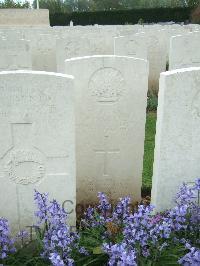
{"points": [[181, 70], [42, 73], [105, 57]]}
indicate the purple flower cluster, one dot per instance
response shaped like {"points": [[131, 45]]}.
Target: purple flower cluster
{"points": [[197, 184], [125, 235], [42, 202], [192, 258], [186, 214], [120, 254], [138, 226], [122, 209], [145, 233], [185, 194], [104, 204], [6, 242], [58, 240], [89, 217], [104, 212]]}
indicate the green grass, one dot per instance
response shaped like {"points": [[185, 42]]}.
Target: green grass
{"points": [[149, 151]]}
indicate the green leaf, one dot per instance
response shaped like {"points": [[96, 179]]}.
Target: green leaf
{"points": [[97, 251]]}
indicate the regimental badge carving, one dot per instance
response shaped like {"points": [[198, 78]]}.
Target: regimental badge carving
{"points": [[24, 166], [107, 85]]}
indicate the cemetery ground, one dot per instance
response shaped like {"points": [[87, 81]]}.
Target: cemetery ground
{"points": [[149, 152]]}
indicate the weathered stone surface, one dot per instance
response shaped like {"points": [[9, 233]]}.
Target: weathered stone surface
{"points": [[43, 49], [184, 51], [111, 93], [24, 17], [131, 45], [82, 46], [177, 147], [15, 55], [37, 146], [156, 58]]}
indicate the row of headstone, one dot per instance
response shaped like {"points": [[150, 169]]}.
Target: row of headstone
{"points": [[38, 134], [38, 130], [176, 156], [38, 151], [49, 47]]}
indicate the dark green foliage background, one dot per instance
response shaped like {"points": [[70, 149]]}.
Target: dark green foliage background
{"points": [[150, 15]]}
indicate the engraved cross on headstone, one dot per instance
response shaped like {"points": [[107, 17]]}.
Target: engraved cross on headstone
{"points": [[106, 152]]}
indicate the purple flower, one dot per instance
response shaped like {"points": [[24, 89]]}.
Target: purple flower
{"points": [[192, 258], [42, 202], [56, 259], [120, 254], [58, 240], [90, 219], [185, 195], [104, 204], [6, 242], [138, 225], [83, 251], [122, 209], [89, 214], [156, 219], [145, 252], [197, 184], [23, 234]]}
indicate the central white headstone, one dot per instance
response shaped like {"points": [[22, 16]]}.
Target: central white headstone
{"points": [[36, 143], [111, 94]]}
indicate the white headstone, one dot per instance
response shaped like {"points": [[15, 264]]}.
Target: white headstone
{"points": [[156, 57], [43, 48], [111, 94], [82, 46], [15, 54], [36, 143], [131, 45], [177, 146], [184, 51]]}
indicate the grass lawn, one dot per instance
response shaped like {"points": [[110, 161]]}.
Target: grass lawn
{"points": [[149, 151]]}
